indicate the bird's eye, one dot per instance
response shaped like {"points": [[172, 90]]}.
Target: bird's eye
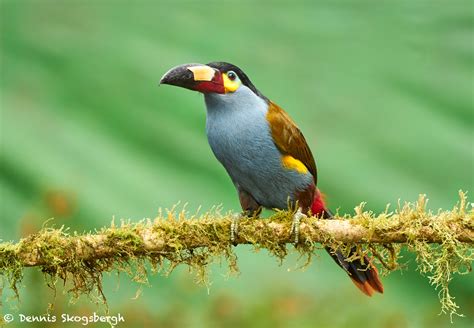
{"points": [[231, 75]]}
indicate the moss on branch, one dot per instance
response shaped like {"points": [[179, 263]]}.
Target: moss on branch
{"points": [[442, 242]]}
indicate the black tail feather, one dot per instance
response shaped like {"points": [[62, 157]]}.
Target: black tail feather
{"points": [[362, 273]]}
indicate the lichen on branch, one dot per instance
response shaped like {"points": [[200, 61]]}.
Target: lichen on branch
{"points": [[441, 241]]}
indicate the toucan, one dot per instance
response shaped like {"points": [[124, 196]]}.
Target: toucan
{"points": [[264, 153]]}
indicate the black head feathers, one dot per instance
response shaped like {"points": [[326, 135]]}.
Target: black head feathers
{"points": [[225, 67]]}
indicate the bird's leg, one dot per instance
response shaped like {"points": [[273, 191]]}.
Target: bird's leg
{"points": [[250, 208], [234, 226], [295, 225]]}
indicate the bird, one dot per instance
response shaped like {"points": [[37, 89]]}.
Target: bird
{"points": [[264, 153]]}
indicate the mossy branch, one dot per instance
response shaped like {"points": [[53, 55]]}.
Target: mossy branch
{"points": [[442, 242]]}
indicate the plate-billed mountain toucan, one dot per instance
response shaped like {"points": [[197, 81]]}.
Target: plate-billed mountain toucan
{"points": [[263, 151]]}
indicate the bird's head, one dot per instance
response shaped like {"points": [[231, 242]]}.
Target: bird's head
{"points": [[215, 77]]}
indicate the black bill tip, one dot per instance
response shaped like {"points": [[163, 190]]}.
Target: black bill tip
{"points": [[179, 75]]}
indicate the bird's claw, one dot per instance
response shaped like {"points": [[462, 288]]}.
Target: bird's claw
{"points": [[234, 227], [295, 225]]}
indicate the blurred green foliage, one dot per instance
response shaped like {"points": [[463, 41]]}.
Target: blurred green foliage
{"points": [[382, 91]]}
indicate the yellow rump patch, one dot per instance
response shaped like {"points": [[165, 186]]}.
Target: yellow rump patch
{"points": [[202, 73], [293, 164]]}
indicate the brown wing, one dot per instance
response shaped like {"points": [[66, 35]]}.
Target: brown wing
{"points": [[289, 139]]}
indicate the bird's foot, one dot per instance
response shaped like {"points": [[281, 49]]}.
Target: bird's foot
{"points": [[295, 225], [234, 227]]}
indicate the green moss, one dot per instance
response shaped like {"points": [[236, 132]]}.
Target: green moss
{"points": [[11, 268], [81, 260], [441, 261]]}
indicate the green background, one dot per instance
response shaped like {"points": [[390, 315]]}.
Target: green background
{"points": [[382, 91]]}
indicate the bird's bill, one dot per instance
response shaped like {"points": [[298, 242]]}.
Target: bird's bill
{"points": [[196, 77]]}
